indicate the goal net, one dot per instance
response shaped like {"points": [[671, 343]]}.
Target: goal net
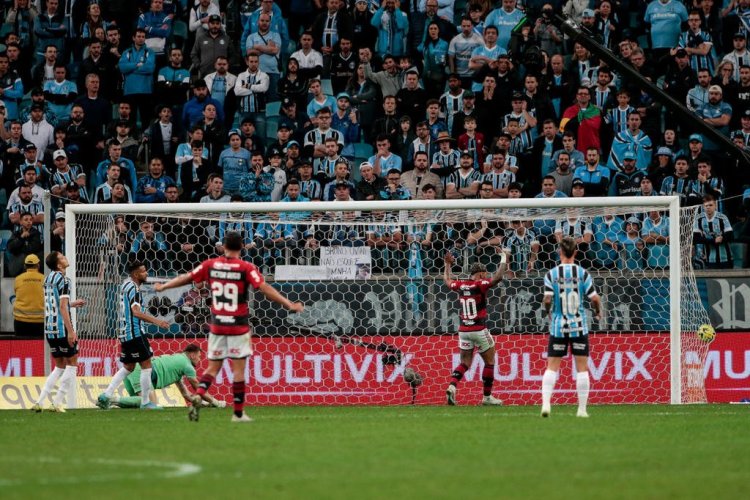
{"points": [[380, 324]]}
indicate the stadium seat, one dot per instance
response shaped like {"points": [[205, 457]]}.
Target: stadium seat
{"points": [[362, 150], [326, 87], [179, 33], [5, 235], [272, 126], [273, 108], [739, 254]]}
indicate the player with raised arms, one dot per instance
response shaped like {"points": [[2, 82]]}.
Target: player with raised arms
{"points": [[168, 369], [134, 345], [564, 286], [473, 332], [229, 278], [58, 329]]}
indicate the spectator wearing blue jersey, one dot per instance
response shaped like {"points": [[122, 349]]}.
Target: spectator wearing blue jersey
{"points": [[138, 65], [106, 191], [544, 228], [627, 182], [277, 24], [605, 249], [594, 176], [712, 234], [233, 163], [11, 88], [698, 44], [655, 234], [269, 45], [633, 247], [435, 58], [460, 51], [128, 173], [505, 18], [564, 288], [392, 25], [665, 18], [393, 190], [383, 161], [151, 187], [521, 244], [158, 26], [192, 112], [717, 114], [634, 140]]}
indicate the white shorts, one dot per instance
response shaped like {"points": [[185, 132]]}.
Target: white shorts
{"points": [[481, 339], [229, 346]]}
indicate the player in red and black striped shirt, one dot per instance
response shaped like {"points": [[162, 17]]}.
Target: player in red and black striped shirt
{"points": [[230, 280], [473, 330]]}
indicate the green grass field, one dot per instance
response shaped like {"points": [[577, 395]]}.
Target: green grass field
{"points": [[396, 452]]}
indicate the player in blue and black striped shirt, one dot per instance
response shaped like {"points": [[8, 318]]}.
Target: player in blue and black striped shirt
{"points": [[564, 287], [133, 341], [59, 330]]}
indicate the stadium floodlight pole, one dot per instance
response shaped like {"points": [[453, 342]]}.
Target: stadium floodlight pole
{"points": [[584, 37]]}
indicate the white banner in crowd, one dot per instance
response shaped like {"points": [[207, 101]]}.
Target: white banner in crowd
{"points": [[336, 263]]}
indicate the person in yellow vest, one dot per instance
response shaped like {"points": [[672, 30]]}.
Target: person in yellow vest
{"points": [[28, 308]]}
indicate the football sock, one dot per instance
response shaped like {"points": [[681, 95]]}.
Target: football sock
{"points": [[66, 383], [238, 393], [49, 384], [458, 374], [548, 384], [488, 378], [121, 375], [145, 385], [582, 388], [204, 383]]}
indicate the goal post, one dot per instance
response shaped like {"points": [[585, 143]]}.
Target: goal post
{"points": [[380, 326]]}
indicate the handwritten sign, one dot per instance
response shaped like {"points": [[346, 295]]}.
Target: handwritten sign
{"points": [[346, 263]]}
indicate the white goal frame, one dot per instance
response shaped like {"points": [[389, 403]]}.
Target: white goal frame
{"points": [[668, 203]]}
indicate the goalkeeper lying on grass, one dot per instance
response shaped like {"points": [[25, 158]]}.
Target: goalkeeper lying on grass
{"points": [[168, 369]]}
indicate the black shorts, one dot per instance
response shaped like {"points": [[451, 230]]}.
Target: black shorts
{"points": [[59, 347], [558, 346], [135, 350]]}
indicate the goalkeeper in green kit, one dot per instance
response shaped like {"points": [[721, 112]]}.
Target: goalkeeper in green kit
{"points": [[168, 369]]}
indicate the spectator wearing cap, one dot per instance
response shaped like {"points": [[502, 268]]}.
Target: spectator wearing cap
{"points": [[283, 136], [30, 161], [109, 189], [210, 44], [632, 139], [158, 26], [388, 79], [345, 119], [193, 110], [275, 168], [28, 308], [292, 156], [370, 185], [717, 114], [468, 108], [251, 89], [65, 173], [151, 187], [524, 117], [662, 167], [694, 153], [744, 131], [233, 162], [38, 131], [739, 56], [447, 159], [293, 116], [25, 241], [549, 37], [627, 181], [57, 239], [633, 247], [309, 187], [680, 78], [138, 65], [464, 182], [28, 178], [201, 13], [665, 18], [268, 44]]}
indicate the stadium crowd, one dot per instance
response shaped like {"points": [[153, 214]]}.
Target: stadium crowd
{"points": [[125, 101]]}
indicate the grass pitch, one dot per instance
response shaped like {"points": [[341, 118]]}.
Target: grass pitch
{"points": [[395, 452]]}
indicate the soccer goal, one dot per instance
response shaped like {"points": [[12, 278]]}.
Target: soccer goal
{"points": [[380, 325]]}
